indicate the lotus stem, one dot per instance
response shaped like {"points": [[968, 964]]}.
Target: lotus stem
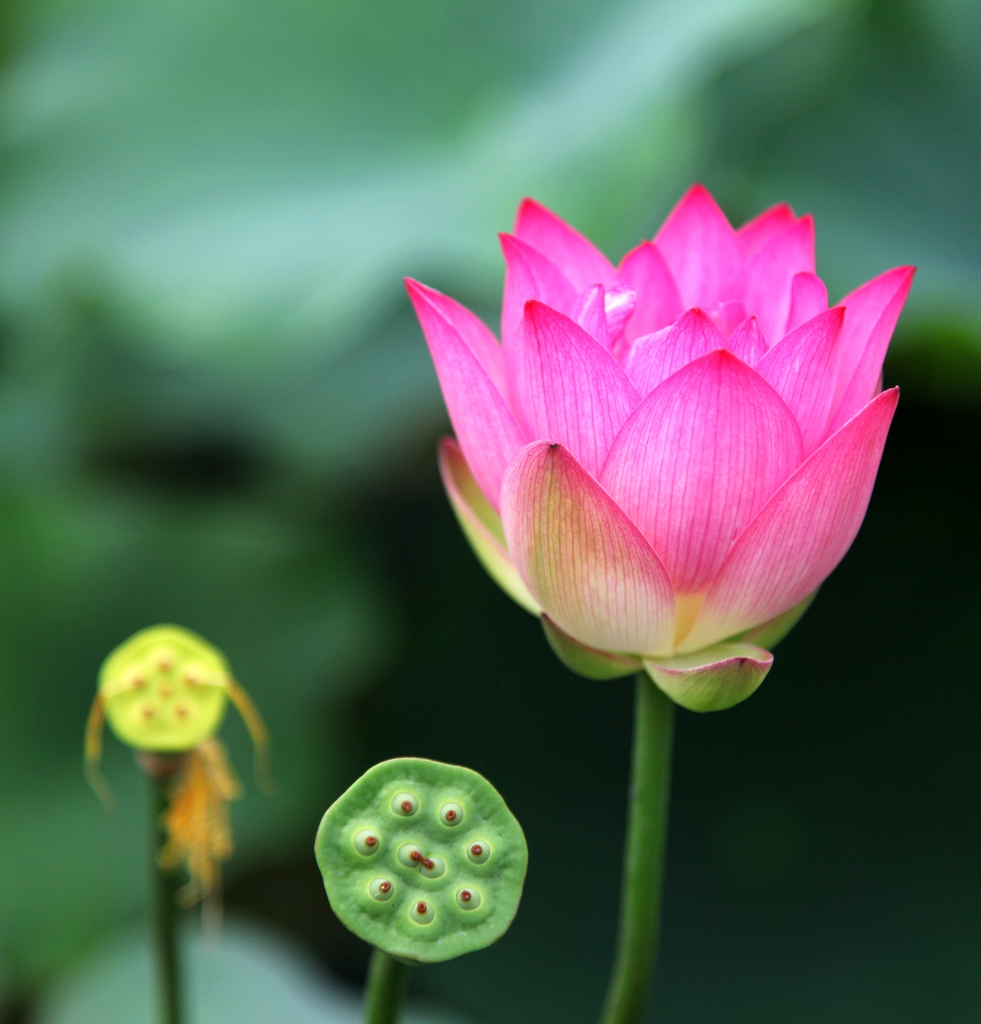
{"points": [[383, 991], [164, 886], [643, 867]]}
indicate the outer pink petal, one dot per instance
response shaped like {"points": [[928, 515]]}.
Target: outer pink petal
{"points": [[755, 233], [658, 301], [531, 275], [871, 313], [653, 359], [472, 329], [747, 341], [581, 262], [584, 562], [802, 533], [698, 458], [808, 297], [769, 275], [484, 426], [700, 247], [572, 390], [802, 367], [481, 525]]}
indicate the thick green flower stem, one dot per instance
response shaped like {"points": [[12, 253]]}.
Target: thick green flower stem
{"points": [[164, 888], [383, 991], [643, 868]]}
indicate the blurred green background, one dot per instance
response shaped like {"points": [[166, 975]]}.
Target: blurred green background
{"points": [[217, 410]]}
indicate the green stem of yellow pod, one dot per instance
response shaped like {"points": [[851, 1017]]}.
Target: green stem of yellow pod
{"points": [[164, 907]]}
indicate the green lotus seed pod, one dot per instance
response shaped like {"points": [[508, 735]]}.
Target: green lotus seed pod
{"points": [[441, 899], [164, 689]]}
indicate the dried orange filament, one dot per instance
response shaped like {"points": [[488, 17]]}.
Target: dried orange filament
{"points": [[197, 821], [93, 752]]}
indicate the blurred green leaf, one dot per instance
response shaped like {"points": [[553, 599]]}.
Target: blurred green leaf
{"points": [[247, 975], [245, 180]]}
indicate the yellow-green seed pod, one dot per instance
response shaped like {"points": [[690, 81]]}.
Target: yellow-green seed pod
{"points": [[164, 689]]}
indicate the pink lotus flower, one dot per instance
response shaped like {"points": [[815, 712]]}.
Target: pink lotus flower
{"points": [[665, 459]]}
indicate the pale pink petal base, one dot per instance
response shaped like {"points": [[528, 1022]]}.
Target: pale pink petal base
{"points": [[481, 525], [712, 679], [587, 661], [583, 560]]}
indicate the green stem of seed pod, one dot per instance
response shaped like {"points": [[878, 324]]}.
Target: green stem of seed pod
{"points": [[164, 888], [383, 991], [643, 867]]}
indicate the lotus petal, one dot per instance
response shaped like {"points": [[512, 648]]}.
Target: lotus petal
{"points": [[484, 426], [747, 341], [871, 313], [698, 458], [699, 246], [587, 661], [801, 533], [808, 297], [582, 559], [530, 275], [658, 302], [580, 260], [571, 389], [481, 525], [472, 329], [769, 275], [802, 367], [655, 358], [755, 233]]}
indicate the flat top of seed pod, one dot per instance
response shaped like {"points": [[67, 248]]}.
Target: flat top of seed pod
{"points": [[163, 689], [422, 859]]}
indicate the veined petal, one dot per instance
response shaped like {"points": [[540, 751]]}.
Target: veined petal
{"points": [[481, 525], [712, 679], [581, 262], [572, 390], [802, 532], [530, 275], [808, 297], [697, 460], [472, 329], [802, 367], [653, 359], [484, 426], [871, 313], [755, 233], [583, 560], [747, 341], [658, 301], [699, 245], [769, 275]]}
